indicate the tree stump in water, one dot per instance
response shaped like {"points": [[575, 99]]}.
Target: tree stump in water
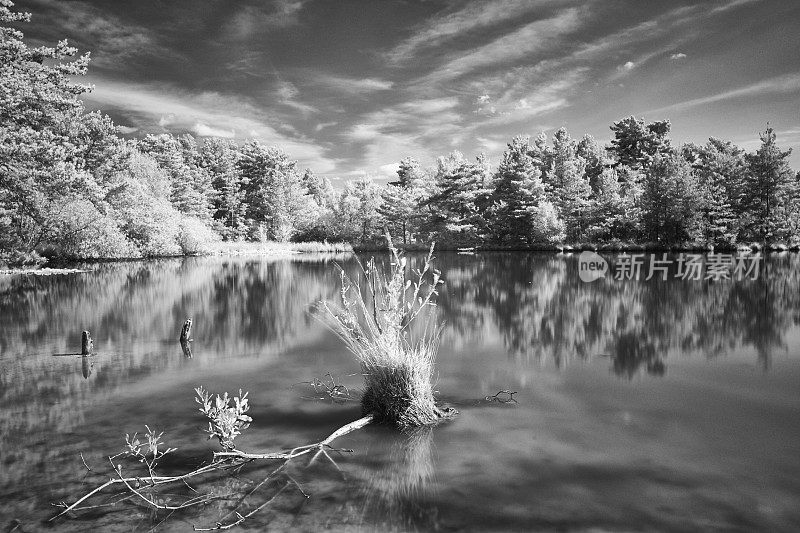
{"points": [[186, 346], [186, 330], [87, 346]]}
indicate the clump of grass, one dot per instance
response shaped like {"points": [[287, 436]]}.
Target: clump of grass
{"points": [[378, 321]]}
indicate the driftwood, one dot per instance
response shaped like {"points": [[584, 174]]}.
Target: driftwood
{"points": [[137, 486], [87, 346], [300, 450]]}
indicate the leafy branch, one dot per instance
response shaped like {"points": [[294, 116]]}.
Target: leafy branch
{"points": [[226, 421]]}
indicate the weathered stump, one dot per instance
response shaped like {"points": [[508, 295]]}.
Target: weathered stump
{"points": [[186, 346], [87, 346], [186, 330]]}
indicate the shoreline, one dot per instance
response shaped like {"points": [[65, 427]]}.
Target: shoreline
{"points": [[611, 248], [63, 266]]}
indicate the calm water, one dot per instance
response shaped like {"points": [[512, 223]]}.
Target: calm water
{"points": [[661, 405]]}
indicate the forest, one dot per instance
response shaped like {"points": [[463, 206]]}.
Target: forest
{"points": [[72, 187]]}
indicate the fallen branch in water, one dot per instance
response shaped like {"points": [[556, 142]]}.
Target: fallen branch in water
{"points": [[503, 396], [338, 392], [301, 450], [152, 481], [226, 423]]}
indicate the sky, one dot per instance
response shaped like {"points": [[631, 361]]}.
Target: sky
{"points": [[350, 87]]}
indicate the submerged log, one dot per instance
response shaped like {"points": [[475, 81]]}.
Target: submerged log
{"points": [[87, 346], [186, 330]]}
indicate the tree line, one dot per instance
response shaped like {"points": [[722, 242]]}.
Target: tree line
{"points": [[71, 186]]}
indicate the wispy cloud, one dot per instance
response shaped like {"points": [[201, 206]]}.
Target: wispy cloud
{"points": [[538, 36], [491, 144], [206, 113], [250, 20], [364, 132], [389, 170], [524, 99], [286, 12], [454, 23], [114, 43], [545, 63], [321, 126], [732, 4], [287, 94], [351, 85], [204, 130], [408, 128], [781, 84], [164, 121], [466, 75]]}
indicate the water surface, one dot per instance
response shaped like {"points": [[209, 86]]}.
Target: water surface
{"points": [[642, 405]]}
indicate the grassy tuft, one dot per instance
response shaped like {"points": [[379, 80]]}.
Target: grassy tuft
{"points": [[388, 321]]}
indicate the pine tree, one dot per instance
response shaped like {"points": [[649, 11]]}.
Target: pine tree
{"points": [[456, 216], [636, 145], [219, 157], [45, 146], [670, 201], [566, 186], [198, 188], [277, 202], [319, 188], [595, 159], [720, 168], [607, 209], [399, 208], [542, 155], [517, 196], [192, 192], [770, 193], [402, 199]]}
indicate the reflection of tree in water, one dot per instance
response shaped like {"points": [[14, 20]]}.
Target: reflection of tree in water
{"points": [[134, 310], [543, 311], [397, 495], [631, 352], [534, 303]]}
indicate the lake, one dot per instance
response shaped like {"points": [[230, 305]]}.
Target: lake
{"points": [[640, 405]]}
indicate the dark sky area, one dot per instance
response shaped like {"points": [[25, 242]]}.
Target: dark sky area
{"points": [[350, 87]]}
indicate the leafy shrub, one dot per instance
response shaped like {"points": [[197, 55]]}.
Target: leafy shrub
{"points": [[17, 258], [548, 227], [226, 422], [195, 237], [83, 232]]}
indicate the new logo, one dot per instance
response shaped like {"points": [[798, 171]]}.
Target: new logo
{"points": [[591, 266]]}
